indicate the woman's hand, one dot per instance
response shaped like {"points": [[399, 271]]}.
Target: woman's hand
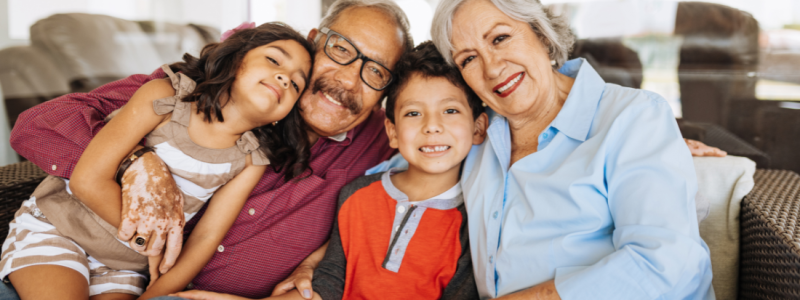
{"points": [[152, 207], [699, 149], [302, 275], [205, 295], [543, 291]]}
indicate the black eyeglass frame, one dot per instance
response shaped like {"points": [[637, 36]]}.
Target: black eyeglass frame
{"points": [[327, 31]]}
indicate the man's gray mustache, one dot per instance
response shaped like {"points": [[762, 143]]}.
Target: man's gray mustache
{"points": [[349, 101]]}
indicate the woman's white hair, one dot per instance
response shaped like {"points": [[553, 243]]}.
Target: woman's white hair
{"points": [[553, 31], [387, 6]]}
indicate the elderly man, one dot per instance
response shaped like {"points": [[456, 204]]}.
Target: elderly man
{"points": [[283, 222]]}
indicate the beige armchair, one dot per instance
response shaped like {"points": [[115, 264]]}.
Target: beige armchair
{"points": [[78, 52]]}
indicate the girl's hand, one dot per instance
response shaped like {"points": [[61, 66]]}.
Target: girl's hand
{"points": [[205, 295], [153, 262]]}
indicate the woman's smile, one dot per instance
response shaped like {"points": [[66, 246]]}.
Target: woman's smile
{"points": [[510, 85]]}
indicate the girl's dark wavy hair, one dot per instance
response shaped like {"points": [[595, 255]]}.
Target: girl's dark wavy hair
{"points": [[285, 144]]}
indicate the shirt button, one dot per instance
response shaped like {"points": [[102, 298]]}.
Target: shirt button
{"points": [[221, 248], [252, 211], [491, 259], [54, 167], [401, 209], [494, 215]]}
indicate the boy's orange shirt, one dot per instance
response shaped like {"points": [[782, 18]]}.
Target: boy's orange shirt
{"points": [[434, 255], [365, 224]]}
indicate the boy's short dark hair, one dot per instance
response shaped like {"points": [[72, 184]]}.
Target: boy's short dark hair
{"points": [[425, 60]]}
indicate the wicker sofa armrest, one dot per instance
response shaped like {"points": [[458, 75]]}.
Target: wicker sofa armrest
{"points": [[770, 237], [17, 182]]}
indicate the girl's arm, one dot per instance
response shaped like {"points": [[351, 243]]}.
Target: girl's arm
{"points": [[223, 209], [92, 180]]}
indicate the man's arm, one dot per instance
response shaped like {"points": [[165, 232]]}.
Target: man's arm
{"points": [[54, 134]]}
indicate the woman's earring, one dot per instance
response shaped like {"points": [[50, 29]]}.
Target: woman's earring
{"points": [[552, 62]]}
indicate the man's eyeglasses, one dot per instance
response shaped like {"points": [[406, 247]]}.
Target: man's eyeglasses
{"points": [[343, 52]]}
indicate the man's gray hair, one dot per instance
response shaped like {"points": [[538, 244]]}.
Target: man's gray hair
{"points": [[553, 31], [387, 6]]}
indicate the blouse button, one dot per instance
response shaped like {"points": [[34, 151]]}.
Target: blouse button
{"points": [[401, 209], [54, 167], [494, 215], [252, 211], [221, 248], [491, 259]]}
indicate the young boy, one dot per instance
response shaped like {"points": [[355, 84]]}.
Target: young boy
{"points": [[403, 235]]}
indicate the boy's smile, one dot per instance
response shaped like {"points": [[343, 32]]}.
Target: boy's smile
{"points": [[434, 128], [434, 150]]}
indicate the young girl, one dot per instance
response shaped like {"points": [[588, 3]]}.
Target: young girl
{"points": [[213, 124]]}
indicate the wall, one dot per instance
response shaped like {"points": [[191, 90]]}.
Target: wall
{"points": [[5, 40]]}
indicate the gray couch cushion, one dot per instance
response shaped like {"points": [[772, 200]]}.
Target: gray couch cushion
{"points": [[95, 46]]}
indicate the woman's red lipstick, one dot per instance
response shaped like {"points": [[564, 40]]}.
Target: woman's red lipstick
{"points": [[510, 90]]}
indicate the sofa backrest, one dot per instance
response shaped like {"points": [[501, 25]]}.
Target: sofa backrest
{"points": [[718, 59], [172, 41], [91, 50], [615, 62], [29, 77]]}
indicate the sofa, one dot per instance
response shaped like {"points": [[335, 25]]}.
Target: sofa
{"points": [[78, 52], [720, 62], [751, 225]]}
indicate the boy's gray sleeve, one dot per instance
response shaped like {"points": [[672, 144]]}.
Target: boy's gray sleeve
{"points": [[329, 277], [462, 285]]}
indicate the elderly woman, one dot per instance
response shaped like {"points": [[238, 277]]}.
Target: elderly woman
{"points": [[583, 190]]}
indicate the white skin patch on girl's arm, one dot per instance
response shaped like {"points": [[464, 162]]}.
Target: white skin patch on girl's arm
{"points": [[152, 207]]}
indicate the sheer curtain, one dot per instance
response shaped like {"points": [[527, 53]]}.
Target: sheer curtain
{"points": [[7, 155]]}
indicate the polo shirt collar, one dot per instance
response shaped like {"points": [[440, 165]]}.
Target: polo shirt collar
{"points": [[339, 137], [575, 117], [448, 200]]}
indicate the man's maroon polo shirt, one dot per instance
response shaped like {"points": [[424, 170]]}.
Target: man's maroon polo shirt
{"points": [[289, 220]]}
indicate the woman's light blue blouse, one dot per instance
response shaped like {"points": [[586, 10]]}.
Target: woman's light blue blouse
{"points": [[605, 206]]}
